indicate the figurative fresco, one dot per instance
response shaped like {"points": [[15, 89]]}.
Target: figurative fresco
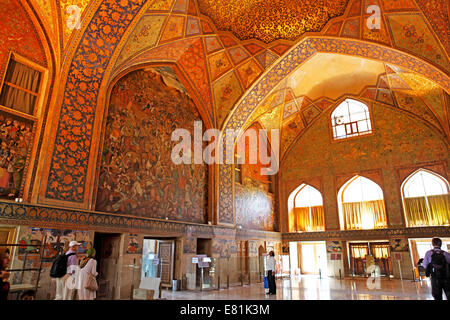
{"points": [[18, 34], [254, 206], [137, 175], [133, 246], [56, 240], [15, 139], [269, 20]]}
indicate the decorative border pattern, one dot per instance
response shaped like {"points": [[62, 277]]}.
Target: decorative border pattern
{"points": [[75, 126], [295, 57], [421, 232], [34, 215]]}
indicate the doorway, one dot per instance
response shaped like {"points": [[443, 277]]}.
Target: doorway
{"points": [[420, 246], [313, 257], [107, 246], [362, 254], [158, 260], [204, 276]]}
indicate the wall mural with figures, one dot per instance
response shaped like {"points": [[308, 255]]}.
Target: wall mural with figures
{"points": [[137, 174], [15, 139]]}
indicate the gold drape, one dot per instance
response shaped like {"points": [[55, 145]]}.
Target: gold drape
{"points": [[430, 211], [24, 77], [380, 251], [307, 219], [359, 251], [370, 214]]}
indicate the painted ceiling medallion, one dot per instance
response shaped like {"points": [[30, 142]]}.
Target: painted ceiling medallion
{"points": [[269, 20]]}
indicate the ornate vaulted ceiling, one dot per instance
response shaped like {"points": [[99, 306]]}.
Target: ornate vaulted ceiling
{"points": [[269, 20], [326, 79], [235, 79]]}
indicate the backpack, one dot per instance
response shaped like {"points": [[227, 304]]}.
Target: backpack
{"points": [[59, 266], [438, 267]]}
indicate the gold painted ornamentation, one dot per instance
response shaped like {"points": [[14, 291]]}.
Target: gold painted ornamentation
{"points": [[269, 20]]}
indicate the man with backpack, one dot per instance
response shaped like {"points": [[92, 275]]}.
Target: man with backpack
{"points": [[437, 265], [63, 268]]}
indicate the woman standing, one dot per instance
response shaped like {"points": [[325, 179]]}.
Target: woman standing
{"points": [[88, 269], [4, 275]]}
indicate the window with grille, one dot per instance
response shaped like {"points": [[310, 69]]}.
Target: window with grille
{"points": [[350, 119]]}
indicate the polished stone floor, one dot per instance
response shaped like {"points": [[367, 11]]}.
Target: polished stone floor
{"points": [[313, 288]]}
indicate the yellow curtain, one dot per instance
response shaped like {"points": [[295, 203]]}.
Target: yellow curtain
{"points": [[307, 219], [434, 213], [364, 215], [359, 251], [380, 251], [24, 77]]}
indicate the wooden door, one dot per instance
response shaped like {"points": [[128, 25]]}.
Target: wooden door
{"points": [[382, 255], [107, 266], [165, 254], [358, 252]]}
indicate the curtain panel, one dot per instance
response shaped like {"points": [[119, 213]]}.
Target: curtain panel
{"points": [[364, 215], [428, 211], [24, 77], [307, 219]]}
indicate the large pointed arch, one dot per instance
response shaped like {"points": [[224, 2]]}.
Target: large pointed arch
{"points": [[297, 55], [426, 199]]}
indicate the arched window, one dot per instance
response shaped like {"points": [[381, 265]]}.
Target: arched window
{"points": [[351, 118], [361, 205], [426, 199], [305, 207]]}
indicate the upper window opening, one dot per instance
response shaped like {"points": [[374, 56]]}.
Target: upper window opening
{"points": [[361, 205], [350, 119], [21, 86], [426, 200]]}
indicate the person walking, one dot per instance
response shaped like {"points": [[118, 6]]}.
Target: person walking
{"points": [[66, 283], [437, 265], [4, 275], [86, 275], [271, 271]]}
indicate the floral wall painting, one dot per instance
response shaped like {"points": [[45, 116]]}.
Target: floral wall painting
{"points": [[137, 175]]}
